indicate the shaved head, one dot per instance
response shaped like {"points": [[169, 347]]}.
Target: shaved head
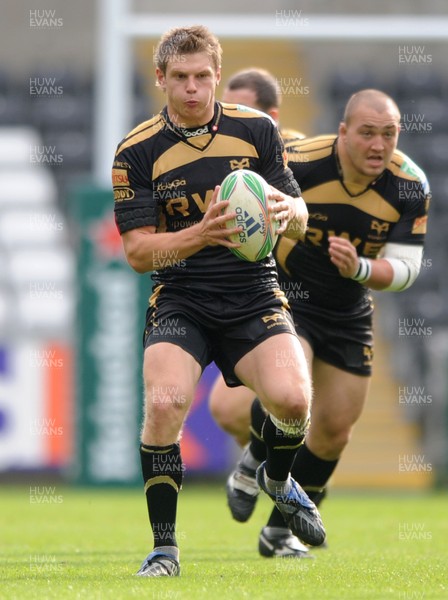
{"points": [[374, 99]]}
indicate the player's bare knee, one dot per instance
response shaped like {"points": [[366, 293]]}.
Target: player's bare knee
{"points": [[226, 421], [331, 441], [236, 425], [166, 403], [341, 439], [293, 404], [219, 411]]}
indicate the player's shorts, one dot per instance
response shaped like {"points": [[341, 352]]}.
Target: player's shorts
{"points": [[217, 328], [341, 339]]}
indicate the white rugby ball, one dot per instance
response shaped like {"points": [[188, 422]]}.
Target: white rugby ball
{"points": [[248, 193]]}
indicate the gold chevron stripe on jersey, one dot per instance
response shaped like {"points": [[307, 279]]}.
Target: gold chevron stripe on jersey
{"points": [[142, 132], [236, 110], [310, 149], [370, 202], [182, 154], [402, 166]]}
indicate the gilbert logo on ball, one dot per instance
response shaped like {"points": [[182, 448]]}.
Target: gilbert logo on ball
{"points": [[248, 193]]}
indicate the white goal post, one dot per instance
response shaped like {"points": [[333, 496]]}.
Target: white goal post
{"points": [[118, 27]]}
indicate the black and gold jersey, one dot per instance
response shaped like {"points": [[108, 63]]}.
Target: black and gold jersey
{"points": [[165, 176], [393, 208], [290, 136]]}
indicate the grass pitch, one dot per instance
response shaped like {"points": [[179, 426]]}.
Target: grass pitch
{"points": [[59, 542]]}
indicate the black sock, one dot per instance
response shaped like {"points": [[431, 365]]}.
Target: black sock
{"points": [[312, 473], [280, 450], [257, 445], [162, 470]]}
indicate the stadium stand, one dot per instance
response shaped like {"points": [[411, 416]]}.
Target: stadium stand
{"points": [[63, 122], [37, 299]]}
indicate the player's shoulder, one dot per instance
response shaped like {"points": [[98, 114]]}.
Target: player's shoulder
{"points": [[242, 112], [311, 148], [291, 136], [142, 132], [401, 165]]}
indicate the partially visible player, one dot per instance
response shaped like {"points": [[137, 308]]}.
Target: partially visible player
{"points": [[368, 205], [207, 305], [257, 88]]}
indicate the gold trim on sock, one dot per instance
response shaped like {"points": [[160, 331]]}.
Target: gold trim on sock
{"points": [[256, 434], [313, 488], [149, 451], [288, 447], [161, 479]]}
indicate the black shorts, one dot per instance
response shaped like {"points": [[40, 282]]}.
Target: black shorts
{"points": [[217, 328], [342, 339]]}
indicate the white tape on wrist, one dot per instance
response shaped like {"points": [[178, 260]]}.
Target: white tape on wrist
{"points": [[364, 270]]}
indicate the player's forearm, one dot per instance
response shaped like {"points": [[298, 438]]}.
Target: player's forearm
{"points": [[379, 273], [146, 251], [388, 274], [394, 271]]}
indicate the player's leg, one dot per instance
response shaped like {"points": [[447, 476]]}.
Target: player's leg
{"points": [[230, 407], [340, 397], [277, 371], [242, 487], [338, 400], [171, 371]]}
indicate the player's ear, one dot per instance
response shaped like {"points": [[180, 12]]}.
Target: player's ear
{"points": [[274, 113], [342, 130], [160, 79], [218, 76]]}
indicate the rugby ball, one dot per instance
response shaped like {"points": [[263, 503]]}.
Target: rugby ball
{"points": [[248, 193]]}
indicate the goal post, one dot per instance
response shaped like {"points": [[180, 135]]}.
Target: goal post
{"points": [[118, 27]]}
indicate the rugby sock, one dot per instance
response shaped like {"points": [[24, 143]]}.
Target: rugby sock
{"points": [[282, 441], [312, 473], [162, 471], [256, 453]]}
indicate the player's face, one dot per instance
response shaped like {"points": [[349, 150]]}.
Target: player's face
{"points": [[190, 85], [369, 140]]}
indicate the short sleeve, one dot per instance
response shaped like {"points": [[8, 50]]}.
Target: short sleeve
{"points": [[134, 202]]}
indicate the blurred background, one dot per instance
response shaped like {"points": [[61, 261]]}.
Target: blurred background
{"points": [[74, 79]]}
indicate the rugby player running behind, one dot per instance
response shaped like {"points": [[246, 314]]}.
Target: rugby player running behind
{"points": [[257, 88], [363, 233]]}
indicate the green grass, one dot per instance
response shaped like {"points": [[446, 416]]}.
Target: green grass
{"points": [[89, 543]]}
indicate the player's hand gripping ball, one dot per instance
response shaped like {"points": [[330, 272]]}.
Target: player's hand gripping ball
{"points": [[248, 193]]}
